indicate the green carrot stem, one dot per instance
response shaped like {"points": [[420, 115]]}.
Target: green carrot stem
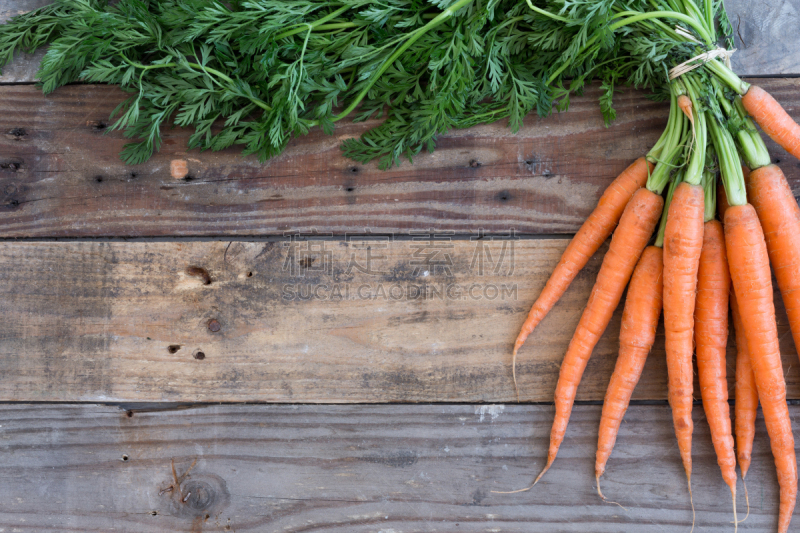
{"points": [[709, 8], [546, 13], [304, 27], [727, 76], [659, 178], [709, 195], [729, 165], [437, 21], [657, 149], [694, 170], [751, 145]]}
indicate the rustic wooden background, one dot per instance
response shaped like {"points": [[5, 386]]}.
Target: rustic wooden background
{"points": [[151, 322]]}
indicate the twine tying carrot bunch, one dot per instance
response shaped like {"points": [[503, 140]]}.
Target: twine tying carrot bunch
{"points": [[700, 59]]}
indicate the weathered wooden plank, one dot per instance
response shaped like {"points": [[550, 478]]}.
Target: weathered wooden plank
{"points": [[359, 469], [61, 176], [23, 69], [313, 321], [766, 36], [760, 32]]}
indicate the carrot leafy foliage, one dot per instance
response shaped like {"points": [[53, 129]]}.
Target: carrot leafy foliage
{"points": [[256, 73]]}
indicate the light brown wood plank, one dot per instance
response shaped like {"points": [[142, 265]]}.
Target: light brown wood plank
{"points": [[763, 33], [95, 321], [61, 176], [359, 469]]}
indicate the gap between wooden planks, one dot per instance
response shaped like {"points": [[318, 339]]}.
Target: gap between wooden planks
{"points": [[298, 321], [359, 469]]}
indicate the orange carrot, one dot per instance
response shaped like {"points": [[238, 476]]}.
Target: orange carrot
{"points": [[636, 225], [685, 103], [769, 193], [711, 339], [752, 282], [636, 336], [773, 119], [746, 404], [593, 233], [637, 333], [683, 242]]}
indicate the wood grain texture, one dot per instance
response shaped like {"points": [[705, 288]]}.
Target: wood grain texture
{"points": [[297, 323], [61, 176], [766, 36], [359, 469], [763, 31]]}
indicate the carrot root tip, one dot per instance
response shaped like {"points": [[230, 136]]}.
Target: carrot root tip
{"points": [[513, 491], [546, 468], [746, 499], [514, 371], [597, 477], [691, 500]]}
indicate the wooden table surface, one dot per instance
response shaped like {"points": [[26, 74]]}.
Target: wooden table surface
{"points": [[315, 345]]}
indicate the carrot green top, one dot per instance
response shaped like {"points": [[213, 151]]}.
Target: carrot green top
{"points": [[669, 146]]}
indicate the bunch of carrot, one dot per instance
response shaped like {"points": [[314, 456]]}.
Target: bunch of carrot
{"points": [[697, 267]]}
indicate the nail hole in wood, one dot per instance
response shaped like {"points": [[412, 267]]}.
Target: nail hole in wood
{"points": [[18, 133], [13, 204], [98, 179], [199, 356], [213, 325], [133, 175], [125, 457], [777, 161], [188, 177], [350, 189], [173, 348], [354, 170], [249, 274], [129, 414], [475, 163], [199, 272], [154, 513]]}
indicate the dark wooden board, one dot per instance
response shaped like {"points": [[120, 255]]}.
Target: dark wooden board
{"points": [[422, 321], [60, 175], [360, 469], [763, 32]]}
